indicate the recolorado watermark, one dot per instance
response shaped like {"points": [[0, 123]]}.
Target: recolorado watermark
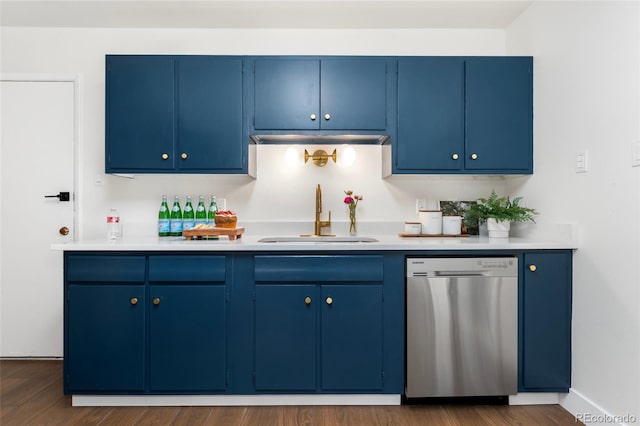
{"points": [[605, 418]]}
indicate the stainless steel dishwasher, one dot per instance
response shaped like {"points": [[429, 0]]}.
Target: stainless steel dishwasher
{"points": [[462, 326]]}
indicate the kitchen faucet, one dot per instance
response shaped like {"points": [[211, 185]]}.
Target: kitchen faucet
{"points": [[319, 224]]}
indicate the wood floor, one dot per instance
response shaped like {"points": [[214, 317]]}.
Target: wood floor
{"points": [[31, 394]]}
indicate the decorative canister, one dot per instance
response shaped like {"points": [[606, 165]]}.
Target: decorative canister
{"points": [[412, 228], [431, 221], [452, 225]]}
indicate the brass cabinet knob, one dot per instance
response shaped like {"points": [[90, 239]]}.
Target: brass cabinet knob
{"points": [[327, 117], [156, 301], [474, 156], [455, 156], [329, 300], [312, 117], [533, 268], [183, 155], [134, 300], [307, 300], [64, 230], [165, 156]]}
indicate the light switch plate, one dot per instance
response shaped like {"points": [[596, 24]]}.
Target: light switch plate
{"points": [[581, 162], [98, 179], [635, 154], [421, 204]]}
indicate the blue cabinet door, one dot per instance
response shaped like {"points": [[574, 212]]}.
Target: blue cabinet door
{"points": [[287, 94], [499, 114], [209, 113], [104, 342], [353, 94], [285, 337], [314, 94], [139, 113], [352, 338], [187, 337], [430, 114], [545, 321]]}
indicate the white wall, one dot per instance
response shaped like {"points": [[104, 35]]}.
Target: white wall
{"points": [[586, 95], [82, 51]]}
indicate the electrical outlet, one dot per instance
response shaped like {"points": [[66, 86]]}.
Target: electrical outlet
{"points": [[421, 204]]}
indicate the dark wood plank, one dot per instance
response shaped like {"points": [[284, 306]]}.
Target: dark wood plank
{"points": [[226, 416], [192, 416], [158, 416], [118, 416]]}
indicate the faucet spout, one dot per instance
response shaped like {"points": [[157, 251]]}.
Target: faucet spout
{"points": [[319, 224]]}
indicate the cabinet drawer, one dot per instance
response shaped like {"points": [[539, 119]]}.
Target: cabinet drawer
{"points": [[105, 268], [187, 269], [318, 268]]}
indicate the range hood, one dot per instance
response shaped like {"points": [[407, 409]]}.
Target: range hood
{"points": [[333, 139]]}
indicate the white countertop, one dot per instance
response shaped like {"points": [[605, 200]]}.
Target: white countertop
{"points": [[250, 243]]}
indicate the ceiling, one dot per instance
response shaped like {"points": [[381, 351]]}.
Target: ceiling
{"points": [[246, 14]]}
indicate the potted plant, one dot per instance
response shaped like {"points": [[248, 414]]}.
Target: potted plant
{"points": [[499, 212]]}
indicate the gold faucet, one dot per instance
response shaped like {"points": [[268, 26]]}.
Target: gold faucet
{"points": [[319, 224]]}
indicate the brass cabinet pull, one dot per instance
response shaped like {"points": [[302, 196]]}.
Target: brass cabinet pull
{"points": [[329, 300], [134, 300], [64, 230], [183, 156], [455, 156], [327, 117], [156, 301], [312, 117], [307, 300], [474, 156], [533, 268], [165, 156]]}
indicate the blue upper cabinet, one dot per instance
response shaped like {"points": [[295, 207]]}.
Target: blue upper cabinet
{"points": [[140, 113], [346, 93], [287, 94], [209, 114], [174, 114], [430, 114], [463, 115], [499, 114]]}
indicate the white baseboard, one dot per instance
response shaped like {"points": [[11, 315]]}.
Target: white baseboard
{"points": [[588, 412], [229, 400], [534, 398]]}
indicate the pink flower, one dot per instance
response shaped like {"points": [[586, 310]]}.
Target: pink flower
{"points": [[358, 197], [348, 200]]}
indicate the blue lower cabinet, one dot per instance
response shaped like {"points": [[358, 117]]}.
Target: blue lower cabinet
{"points": [[545, 322], [285, 337], [347, 352], [104, 339], [187, 338], [352, 337]]}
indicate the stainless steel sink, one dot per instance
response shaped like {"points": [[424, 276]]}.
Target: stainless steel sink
{"points": [[305, 239]]}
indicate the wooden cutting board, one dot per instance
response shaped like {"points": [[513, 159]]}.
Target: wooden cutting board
{"points": [[232, 233]]}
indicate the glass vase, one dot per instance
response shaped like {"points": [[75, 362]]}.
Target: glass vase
{"points": [[353, 225]]}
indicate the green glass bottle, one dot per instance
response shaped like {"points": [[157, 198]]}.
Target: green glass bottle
{"points": [[213, 208], [176, 218], [201, 212], [189, 216], [164, 217]]}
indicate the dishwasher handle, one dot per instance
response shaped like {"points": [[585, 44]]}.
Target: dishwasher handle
{"points": [[460, 274]]}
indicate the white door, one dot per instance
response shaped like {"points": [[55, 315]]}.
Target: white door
{"points": [[36, 159]]}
